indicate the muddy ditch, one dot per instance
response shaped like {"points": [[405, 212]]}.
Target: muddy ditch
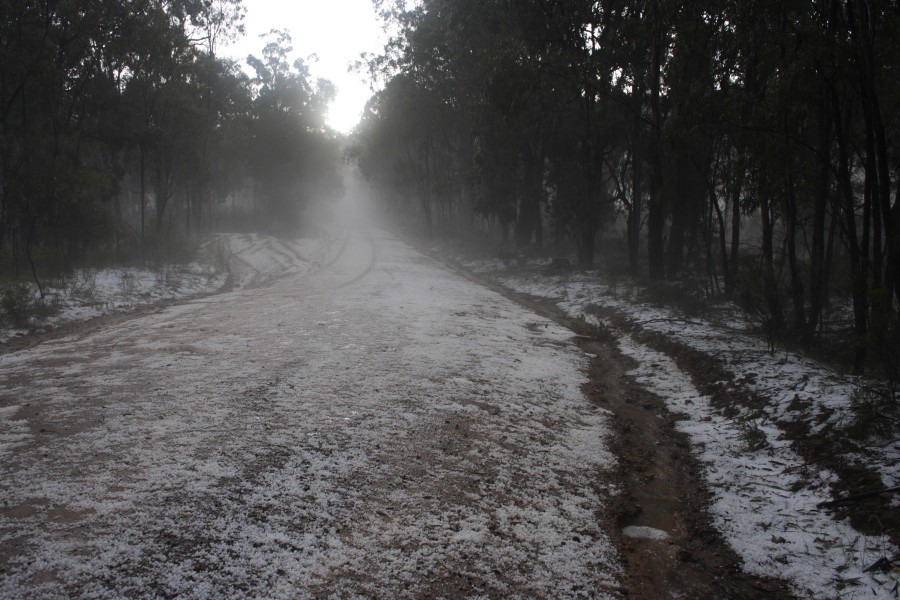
{"points": [[663, 491], [661, 523], [869, 511]]}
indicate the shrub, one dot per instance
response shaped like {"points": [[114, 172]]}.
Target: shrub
{"points": [[17, 304], [875, 413], [682, 296], [20, 308]]}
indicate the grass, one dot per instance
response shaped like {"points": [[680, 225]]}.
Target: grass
{"points": [[752, 436]]}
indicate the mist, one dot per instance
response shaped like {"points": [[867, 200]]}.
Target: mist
{"points": [[596, 300]]}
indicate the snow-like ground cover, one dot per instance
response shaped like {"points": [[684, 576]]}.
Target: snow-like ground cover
{"points": [[95, 292], [766, 510], [371, 425], [246, 259], [254, 259]]}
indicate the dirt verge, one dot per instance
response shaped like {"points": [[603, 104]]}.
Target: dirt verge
{"points": [[85, 327]]}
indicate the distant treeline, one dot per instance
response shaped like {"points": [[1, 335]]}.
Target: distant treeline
{"points": [[120, 124], [683, 122]]}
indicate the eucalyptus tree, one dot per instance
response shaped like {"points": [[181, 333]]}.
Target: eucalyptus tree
{"points": [[866, 134], [398, 148], [55, 178], [695, 119], [80, 83], [499, 78]]}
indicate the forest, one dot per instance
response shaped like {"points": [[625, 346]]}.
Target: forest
{"points": [[749, 147], [746, 150], [123, 132]]}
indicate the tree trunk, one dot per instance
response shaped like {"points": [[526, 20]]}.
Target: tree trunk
{"points": [[143, 192], [770, 285], [822, 185], [655, 209], [637, 168], [877, 163], [425, 187], [797, 291], [720, 219], [656, 221], [162, 191], [829, 261], [682, 216], [858, 276], [528, 224], [31, 264], [634, 222], [736, 190], [586, 235], [187, 208]]}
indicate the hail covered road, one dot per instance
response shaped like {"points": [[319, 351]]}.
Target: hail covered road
{"points": [[370, 424]]}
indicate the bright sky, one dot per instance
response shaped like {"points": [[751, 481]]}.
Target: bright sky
{"points": [[335, 30]]}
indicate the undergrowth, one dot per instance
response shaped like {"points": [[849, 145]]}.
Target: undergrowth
{"points": [[875, 414], [684, 297], [752, 435], [21, 307]]}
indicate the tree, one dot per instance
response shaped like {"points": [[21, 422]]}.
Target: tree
{"points": [[747, 140], [293, 156]]}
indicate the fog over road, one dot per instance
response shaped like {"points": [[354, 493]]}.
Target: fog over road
{"points": [[369, 424]]}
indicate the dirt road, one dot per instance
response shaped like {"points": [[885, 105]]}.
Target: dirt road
{"points": [[371, 425]]}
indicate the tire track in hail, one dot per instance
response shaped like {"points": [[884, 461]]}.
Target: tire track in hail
{"points": [[251, 277], [373, 258]]}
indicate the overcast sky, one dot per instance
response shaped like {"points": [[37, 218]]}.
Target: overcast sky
{"points": [[336, 30]]}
